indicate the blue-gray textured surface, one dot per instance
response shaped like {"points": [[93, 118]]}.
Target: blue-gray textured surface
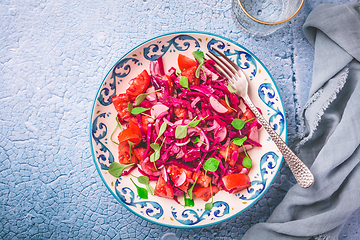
{"points": [[53, 56]]}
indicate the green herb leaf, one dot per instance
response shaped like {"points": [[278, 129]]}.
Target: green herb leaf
{"points": [[117, 125], [208, 206], [137, 110], [194, 122], [116, 169], [155, 156], [189, 202], [142, 192], [211, 164], [197, 140], [150, 189], [199, 55], [162, 129], [239, 124], [130, 106], [239, 141], [155, 146], [231, 90], [141, 97], [192, 187], [143, 179], [181, 131], [247, 162], [227, 103], [184, 82]]}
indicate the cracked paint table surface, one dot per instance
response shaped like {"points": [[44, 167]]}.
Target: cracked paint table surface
{"points": [[53, 58]]}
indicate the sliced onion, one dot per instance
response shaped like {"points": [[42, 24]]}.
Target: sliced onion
{"points": [[195, 101], [182, 144]]}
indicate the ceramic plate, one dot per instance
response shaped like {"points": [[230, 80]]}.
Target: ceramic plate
{"points": [[266, 159]]}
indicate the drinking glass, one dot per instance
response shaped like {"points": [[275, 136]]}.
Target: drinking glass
{"points": [[262, 17]]}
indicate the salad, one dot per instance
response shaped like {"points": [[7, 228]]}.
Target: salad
{"points": [[184, 129]]}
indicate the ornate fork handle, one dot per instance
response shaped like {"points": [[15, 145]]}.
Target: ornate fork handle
{"points": [[301, 172]]}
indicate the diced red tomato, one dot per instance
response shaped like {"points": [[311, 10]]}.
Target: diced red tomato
{"points": [[170, 85], [236, 181], [129, 136], [124, 154], [204, 192], [145, 121], [180, 112], [227, 153], [248, 114], [133, 125], [185, 62], [162, 189], [175, 172], [190, 74], [139, 153], [121, 106], [202, 179], [139, 85]]}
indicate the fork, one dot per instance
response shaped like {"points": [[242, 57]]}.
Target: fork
{"points": [[238, 81]]}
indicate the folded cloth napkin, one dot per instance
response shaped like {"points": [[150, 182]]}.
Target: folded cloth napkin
{"points": [[329, 144]]}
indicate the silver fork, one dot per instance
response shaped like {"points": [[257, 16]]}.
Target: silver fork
{"points": [[238, 81]]}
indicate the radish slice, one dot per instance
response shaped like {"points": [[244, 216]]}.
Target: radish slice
{"points": [[152, 96], [157, 109], [217, 106], [181, 180], [254, 134], [221, 134], [246, 146]]}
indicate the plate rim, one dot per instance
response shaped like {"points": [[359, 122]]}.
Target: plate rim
{"points": [[91, 124]]}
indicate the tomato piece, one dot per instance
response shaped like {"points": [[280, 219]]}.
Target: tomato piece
{"points": [[204, 192], [133, 125], [190, 74], [170, 85], [139, 85], [121, 106], [129, 136], [175, 172], [162, 189], [145, 122], [185, 62], [248, 114], [139, 153], [236, 181], [202, 179], [124, 154], [228, 152], [180, 112]]}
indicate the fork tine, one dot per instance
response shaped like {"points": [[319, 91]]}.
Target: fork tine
{"points": [[236, 67], [224, 63], [221, 69]]}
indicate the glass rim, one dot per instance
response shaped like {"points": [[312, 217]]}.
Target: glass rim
{"points": [[270, 23]]}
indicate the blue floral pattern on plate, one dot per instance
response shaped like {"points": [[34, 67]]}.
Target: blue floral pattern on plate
{"points": [[166, 212]]}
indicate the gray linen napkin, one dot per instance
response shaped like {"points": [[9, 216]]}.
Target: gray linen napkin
{"points": [[329, 144]]}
